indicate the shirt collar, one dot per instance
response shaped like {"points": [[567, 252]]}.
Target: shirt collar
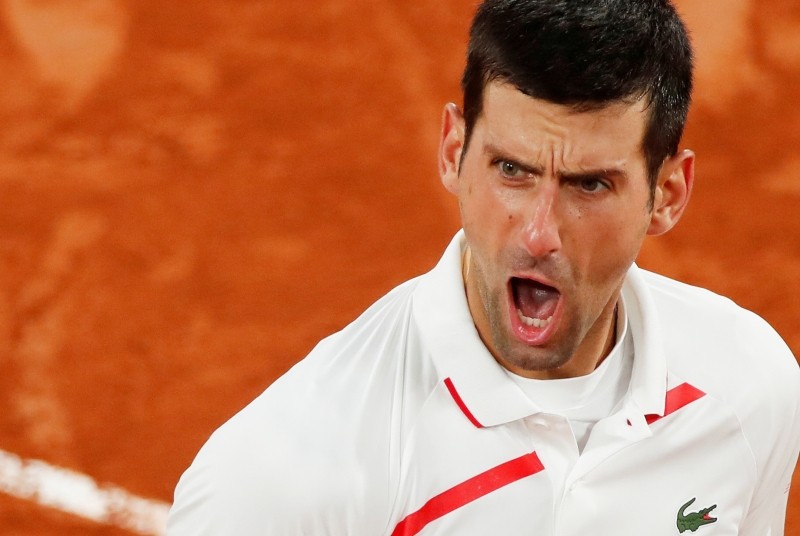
{"points": [[478, 384], [444, 321], [648, 389]]}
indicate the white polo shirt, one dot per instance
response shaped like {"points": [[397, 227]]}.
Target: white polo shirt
{"points": [[403, 424]]}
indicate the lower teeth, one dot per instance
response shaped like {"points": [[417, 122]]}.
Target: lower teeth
{"points": [[535, 322]]}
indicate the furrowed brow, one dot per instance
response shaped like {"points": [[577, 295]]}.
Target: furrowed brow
{"points": [[496, 153]]}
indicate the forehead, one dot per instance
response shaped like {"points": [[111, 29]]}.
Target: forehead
{"points": [[536, 129]]}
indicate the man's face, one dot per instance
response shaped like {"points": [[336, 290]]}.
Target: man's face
{"points": [[554, 205]]}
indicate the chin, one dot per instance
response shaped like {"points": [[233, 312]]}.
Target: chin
{"points": [[534, 359]]}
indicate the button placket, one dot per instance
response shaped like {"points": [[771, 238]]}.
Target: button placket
{"points": [[557, 448]]}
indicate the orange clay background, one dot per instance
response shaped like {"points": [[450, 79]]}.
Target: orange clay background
{"points": [[194, 193]]}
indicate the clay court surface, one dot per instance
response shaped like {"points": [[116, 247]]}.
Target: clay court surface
{"points": [[195, 192]]}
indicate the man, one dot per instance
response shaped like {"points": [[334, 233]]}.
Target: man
{"points": [[536, 381]]}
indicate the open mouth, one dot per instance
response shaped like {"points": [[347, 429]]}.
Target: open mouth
{"points": [[535, 302]]}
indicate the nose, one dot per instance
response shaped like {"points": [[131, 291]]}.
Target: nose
{"points": [[540, 233]]}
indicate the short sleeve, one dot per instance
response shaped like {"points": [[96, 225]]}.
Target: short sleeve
{"points": [[767, 513]]}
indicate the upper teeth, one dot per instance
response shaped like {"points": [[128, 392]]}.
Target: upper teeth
{"points": [[535, 322]]}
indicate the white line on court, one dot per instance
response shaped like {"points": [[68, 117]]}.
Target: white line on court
{"points": [[78, 494]]}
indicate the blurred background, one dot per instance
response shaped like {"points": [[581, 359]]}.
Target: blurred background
{"points": [[194, 193]]}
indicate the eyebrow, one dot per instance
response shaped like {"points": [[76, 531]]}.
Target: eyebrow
{"points": [[602, 173], [496, 153], [593, 174]]}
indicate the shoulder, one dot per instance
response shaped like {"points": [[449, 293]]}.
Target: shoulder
{"points": [[312, 454], [698, 322], [733, 355]]}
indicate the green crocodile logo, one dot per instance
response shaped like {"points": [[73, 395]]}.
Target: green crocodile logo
{"points": [[694, 520]]}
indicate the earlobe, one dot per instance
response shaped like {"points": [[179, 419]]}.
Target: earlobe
{"points": [[450, 146], [673, 190]]}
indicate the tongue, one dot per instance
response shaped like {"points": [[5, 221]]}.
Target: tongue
{"points": [[535, 300]]}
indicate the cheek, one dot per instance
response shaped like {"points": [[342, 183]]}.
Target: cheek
{"points": [[606, 246], [485, 209]]}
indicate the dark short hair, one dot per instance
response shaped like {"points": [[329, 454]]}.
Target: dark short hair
{"points": [[586, 54]]}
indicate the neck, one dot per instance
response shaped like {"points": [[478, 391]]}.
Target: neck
{"points": [[611, 339]]}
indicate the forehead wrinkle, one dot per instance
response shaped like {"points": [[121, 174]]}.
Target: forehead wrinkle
{"points": [[589, 163], [563, 156]]}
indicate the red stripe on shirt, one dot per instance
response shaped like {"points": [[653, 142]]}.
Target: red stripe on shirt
{"points": [[468, 491], [677, 397], [463, 407]]}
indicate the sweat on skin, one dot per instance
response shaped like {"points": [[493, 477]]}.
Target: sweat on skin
{"points": [[555, 205]]}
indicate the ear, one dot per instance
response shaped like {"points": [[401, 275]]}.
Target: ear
{"points": [[450, 146], [673, 189]]}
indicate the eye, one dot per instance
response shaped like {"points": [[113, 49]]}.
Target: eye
{"points": [[509, 169], [592, 185]]}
